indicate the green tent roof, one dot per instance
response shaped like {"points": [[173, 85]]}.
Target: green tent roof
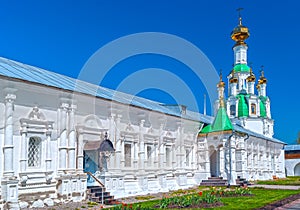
{"points": [[221, 123], [243, 109], [262, 106], [241, 68]]}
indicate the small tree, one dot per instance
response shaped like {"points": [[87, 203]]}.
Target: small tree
{"points": [[298, 139]]}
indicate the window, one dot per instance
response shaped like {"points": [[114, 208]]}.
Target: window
{"points": [[168, 156], [127, 148], [187, 157], [232, 110], [149, 155], [253, 109], [34, 152]]}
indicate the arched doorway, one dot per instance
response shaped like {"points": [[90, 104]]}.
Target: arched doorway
{"points": [[297, 170]]}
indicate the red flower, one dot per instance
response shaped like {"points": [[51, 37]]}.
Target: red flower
{"points": [[200, 193], [130, 206]]}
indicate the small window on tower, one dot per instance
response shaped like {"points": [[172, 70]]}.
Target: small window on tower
{"points": [[232, 110], [253, 109]]}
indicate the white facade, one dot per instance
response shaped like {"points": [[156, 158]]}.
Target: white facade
{"points": [[46, 132], [52, 129]]}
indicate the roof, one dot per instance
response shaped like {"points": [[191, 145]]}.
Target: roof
{"points": [[241, 68], [24, 72], [243, 110], [263, 111], [221, 122], [294, 147], [239, 128]]}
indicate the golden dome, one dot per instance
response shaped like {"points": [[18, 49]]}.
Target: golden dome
{"points": [[240, 33], [251, 78], [262, 79], [233, 80]]}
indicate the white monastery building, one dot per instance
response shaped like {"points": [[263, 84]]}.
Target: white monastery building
{"points": [[59, 135]]}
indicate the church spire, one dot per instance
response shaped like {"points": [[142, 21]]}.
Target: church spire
{"points": [[239, 34], [221, 86], [262, 83]]}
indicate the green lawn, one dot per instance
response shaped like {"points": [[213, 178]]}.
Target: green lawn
{"points": [[260, 198], [290, 180]]}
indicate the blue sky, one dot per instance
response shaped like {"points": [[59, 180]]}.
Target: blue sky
{"points": [[62, 35]]}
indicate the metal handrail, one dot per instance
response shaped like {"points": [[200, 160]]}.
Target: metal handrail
{"points": [[99, 182], [95, 178]]}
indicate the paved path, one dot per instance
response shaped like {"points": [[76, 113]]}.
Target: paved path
{"points": [[290, 206], [282, 187]]}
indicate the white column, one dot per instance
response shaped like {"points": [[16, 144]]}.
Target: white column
{"points": [[156, 165], [263, 90], [142, 147], [244, 159], [48, 150], [233, 89], [118, 143], [161, 150], [63, 138], [112, 136], [23, 155], [72, 139], [251, 87], [80, 155], [221, 162], [8, 148], [173, 153], [135, 155], [232, 160]]}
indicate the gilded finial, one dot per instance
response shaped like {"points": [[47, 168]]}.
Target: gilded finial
{"points": [[262, 79], [240, 33], [240, 16], [251, 78], [221, 83]]}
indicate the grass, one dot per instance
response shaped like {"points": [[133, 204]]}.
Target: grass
{"points": [[261, 198], [290, 180]]}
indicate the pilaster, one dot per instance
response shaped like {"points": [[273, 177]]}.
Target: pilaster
{"points": [[72, 138], [62, 164], [141, 147], [9, 182]]}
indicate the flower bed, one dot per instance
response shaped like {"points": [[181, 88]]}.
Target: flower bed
{"points": [[202, 199]]}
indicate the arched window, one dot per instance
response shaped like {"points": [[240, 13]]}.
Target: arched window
{"points": [[34, 152], [253, 109], [232, 110]]}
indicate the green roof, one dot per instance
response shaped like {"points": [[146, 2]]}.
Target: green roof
{"points": [[241, 68], [221, 123], [243, 109], [262, 106]]}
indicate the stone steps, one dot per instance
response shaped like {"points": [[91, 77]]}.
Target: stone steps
{"points": [[95, 195], [242, 182], [214, 181]]}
